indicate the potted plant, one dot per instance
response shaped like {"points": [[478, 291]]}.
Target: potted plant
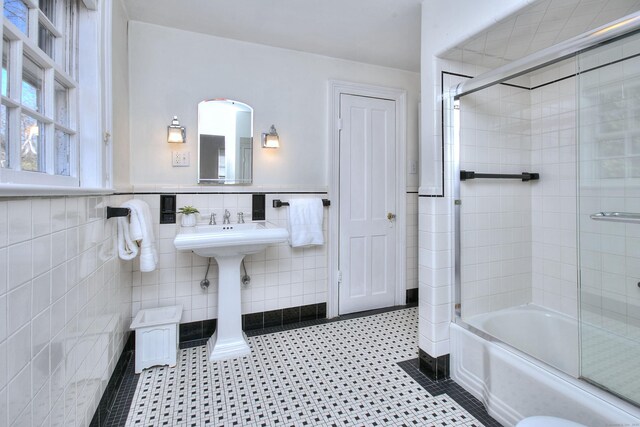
{"points": [[189, 217]]}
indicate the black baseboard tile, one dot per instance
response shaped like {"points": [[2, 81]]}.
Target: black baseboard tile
{"points": [[291, 315], [105, 407], [436, 368], [196, 331], [272, 318], [412, 296]]}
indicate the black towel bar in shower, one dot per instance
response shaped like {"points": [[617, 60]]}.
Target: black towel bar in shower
{"points": [[277, 203], [524, 176], [115, 212]]}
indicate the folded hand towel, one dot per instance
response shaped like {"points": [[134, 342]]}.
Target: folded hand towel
{"points": [[127, 248], [141, 230], [305, 222]]}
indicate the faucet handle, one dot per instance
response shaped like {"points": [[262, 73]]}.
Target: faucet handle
{"points": [[240, 218]]}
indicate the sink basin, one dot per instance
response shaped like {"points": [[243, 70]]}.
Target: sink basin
{"points": [[229, 244], [230, 239]]}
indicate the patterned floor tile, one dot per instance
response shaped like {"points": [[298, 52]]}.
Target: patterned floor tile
{"points": [[334, 374]]}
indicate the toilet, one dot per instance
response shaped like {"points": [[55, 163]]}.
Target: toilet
{"points": [[543, 421]]}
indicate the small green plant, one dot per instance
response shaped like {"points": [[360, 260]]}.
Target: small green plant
{"points": [[188, 210]]}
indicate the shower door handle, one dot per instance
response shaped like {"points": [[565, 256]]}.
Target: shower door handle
{"points": [[628, 217]]}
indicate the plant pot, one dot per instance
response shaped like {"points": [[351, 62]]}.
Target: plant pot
{"points": [[188, 220]]}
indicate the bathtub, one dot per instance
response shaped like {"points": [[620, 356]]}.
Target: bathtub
{"points": [[546, 335], [514, 385]]}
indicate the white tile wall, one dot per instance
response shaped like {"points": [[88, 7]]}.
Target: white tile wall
{"points": [[495, 214], [553, 203], [64, 308], [499, 232], [412, 241], [281, 276], [610, 172]]}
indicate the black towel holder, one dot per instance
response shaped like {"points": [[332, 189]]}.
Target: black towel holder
{"points": [[277, 203], [116, 212]]}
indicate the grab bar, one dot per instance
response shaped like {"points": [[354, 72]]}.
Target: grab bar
{"points": [[629, 217], [524, 176]]}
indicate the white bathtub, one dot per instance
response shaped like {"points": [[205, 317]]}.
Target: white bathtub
{"points": [[513, 385], [549, 336]]}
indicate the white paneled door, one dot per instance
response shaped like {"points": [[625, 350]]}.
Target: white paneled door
{"points": [[367, 229]]}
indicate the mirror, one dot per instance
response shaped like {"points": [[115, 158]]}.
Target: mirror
{"points": [[225, 142]]}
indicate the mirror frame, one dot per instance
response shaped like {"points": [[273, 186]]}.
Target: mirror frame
{"points": [[212, 181]]}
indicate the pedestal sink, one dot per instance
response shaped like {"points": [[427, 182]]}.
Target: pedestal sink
{"points": [[229, 244]]}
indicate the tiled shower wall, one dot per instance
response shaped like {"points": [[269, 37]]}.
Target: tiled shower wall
{"points": [[495, 215], [519, 239], [65, 306], [553, 203], [281, 276]]}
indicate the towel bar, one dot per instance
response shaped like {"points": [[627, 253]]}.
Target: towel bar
{"points": [[524, 176], [277, 203], [116, 212]]}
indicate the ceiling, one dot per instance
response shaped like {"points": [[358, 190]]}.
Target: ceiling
{"points": [[542, 24], [381, 32]]}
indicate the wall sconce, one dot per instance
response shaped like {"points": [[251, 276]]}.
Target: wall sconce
{"points": [[271, 139], [175, 132]]}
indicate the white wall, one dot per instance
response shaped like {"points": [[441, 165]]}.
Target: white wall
{"points": [[172, 70], [64, 308], [444, 25], [120, 87], [281, 276], [286, 88], [65, 297], [553, 202], [495, 215]]}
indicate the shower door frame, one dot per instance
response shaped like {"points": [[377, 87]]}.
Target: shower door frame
{"points": [[451, 127]]}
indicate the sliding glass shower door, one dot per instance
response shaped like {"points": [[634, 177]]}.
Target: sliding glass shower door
{"points": [[609, 215]]}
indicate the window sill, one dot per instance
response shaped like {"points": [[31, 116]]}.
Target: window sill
{"points": [[18, 190]]}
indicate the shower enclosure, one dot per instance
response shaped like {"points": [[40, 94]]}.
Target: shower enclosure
{"points": [[548, 262]]}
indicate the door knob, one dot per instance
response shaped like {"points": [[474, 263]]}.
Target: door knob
{"points": [[391, 216]]}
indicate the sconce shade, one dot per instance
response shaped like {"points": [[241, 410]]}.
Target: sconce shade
{"points": [[271, 139], [175, 132]]}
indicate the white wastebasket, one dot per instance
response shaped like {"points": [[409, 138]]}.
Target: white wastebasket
{"points": [[157, 336]]}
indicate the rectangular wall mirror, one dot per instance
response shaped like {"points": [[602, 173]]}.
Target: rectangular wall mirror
{"points": [[225, 142]]}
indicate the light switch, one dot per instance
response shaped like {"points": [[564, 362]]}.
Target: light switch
{"points": [[180, 158], [413, 167]]}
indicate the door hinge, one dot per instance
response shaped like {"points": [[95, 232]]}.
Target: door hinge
{"points": [[339, 277], [106, 137], [339, 123]]}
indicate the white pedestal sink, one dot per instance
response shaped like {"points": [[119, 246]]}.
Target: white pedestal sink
{"points": [[229, 244]]}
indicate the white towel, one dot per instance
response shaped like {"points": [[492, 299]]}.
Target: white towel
{"points": [[305, 222], [140, 230], [127, 248]]}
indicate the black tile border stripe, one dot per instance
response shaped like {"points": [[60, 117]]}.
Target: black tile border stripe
{"points": [[451, 389], [117, 397], [436, 368]]}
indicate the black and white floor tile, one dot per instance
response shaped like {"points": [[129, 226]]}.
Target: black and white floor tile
{"points": [[341, 373]]}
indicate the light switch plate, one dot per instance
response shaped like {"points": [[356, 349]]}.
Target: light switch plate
{"points": [[180, 158], [413, 167]]}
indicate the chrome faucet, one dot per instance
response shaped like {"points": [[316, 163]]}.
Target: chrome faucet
{"points": [[240, 218], [227, 214], [212, 219]]}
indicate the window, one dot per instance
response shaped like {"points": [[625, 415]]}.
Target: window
{"points": [[44, 44]]}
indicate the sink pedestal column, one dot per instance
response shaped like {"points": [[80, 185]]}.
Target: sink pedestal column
{"points": [[228, 341]]}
